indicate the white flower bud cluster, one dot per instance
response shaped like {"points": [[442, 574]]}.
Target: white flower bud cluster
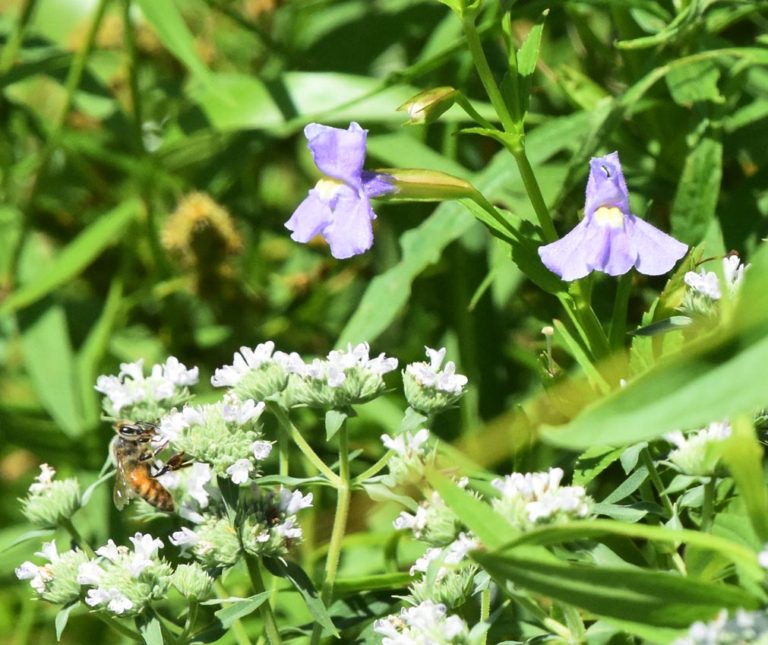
{"points": [[432, 387], [226, 435], [50, 501], [273, 527], [444, 574], [433, 522], [538, 498], [123, 581], [132, 395], [258, 373], [427, 623], [214, 542], [410, 458], [698, 453], [54, 581], [745, 627], [706, 288], [343, 378]]}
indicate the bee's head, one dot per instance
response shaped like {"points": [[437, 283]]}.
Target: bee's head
{"points": [[140, 431]]}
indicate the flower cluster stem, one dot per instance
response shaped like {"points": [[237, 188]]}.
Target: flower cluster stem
{"points": [[653, 473], [270, 624], [13, 44], [287, 425], [343, 497], [77, 538]]}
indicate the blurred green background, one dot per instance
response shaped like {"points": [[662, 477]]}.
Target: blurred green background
{"points": [[151, 151]]}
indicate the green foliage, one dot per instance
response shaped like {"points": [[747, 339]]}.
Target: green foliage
{"points": [[150, 154]]}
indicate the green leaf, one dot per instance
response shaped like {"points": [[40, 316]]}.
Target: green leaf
{"points": [[412, 420], [26, 537], [594, 529], [300, 580], [743, 454], [50, 363], [240, 608], [173, 32], [150, 629], [695, 81], [527, 57], [651, 597], [580, 356], [74, 257], [334, 419], [397, 580], [62, 617], [592, 462], [698, 191]]}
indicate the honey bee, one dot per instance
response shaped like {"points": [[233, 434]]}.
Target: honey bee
{"points": [[132, 453]]}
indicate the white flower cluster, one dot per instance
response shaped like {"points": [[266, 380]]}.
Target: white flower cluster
{"points": [[537, 498], [223, 434], [55, 580], [258, 373], [698, 453], [744, 628], [130, 388], [706, 287], [270, 528], [50, 501], [433, 522], [124, 580], [194, 481], [431, 375], [432, 387], [409, 460], [448, 557], [344, 377], [427, 623]]}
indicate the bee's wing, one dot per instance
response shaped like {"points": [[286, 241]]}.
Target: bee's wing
{"points": [[122, 492]]}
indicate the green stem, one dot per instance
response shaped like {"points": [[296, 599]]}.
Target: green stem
{"points": [[343, 498], [283, 454], [485, 73], [464, 103], [287, 425], [370, 472], [270, 624], [132, 50], [190, 621], [708, 506], [645, 457], [485, 611], [11, 49], [534, 192], [619, 317], [77, 539], [119, 627]]}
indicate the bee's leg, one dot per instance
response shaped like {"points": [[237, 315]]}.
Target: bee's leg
{"points": [[176, 462]]}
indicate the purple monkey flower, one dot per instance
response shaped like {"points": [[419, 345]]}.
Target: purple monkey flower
{"points": [[610, 238], [339, 207]]}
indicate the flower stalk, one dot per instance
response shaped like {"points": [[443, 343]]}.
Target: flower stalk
{"points": [[344, 494], [270, 624]]}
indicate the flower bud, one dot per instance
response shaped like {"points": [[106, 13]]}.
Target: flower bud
{"points": [[49, 502], [272, 528], [426, 185], [192, 581], [429, 105], [409, 461]]}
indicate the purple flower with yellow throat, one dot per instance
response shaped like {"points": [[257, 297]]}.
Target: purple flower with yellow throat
{"points": [[339, 207], [610, 238]]}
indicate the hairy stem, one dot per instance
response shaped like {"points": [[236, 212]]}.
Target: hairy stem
{"points": [[270, 624]]}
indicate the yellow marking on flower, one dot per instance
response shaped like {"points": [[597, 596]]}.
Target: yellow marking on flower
{"points": [[609, 216], [327, 187]]}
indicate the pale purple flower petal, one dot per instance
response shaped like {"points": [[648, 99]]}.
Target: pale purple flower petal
{"points": [[338, 207], [610, 238], [338, 153]]}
